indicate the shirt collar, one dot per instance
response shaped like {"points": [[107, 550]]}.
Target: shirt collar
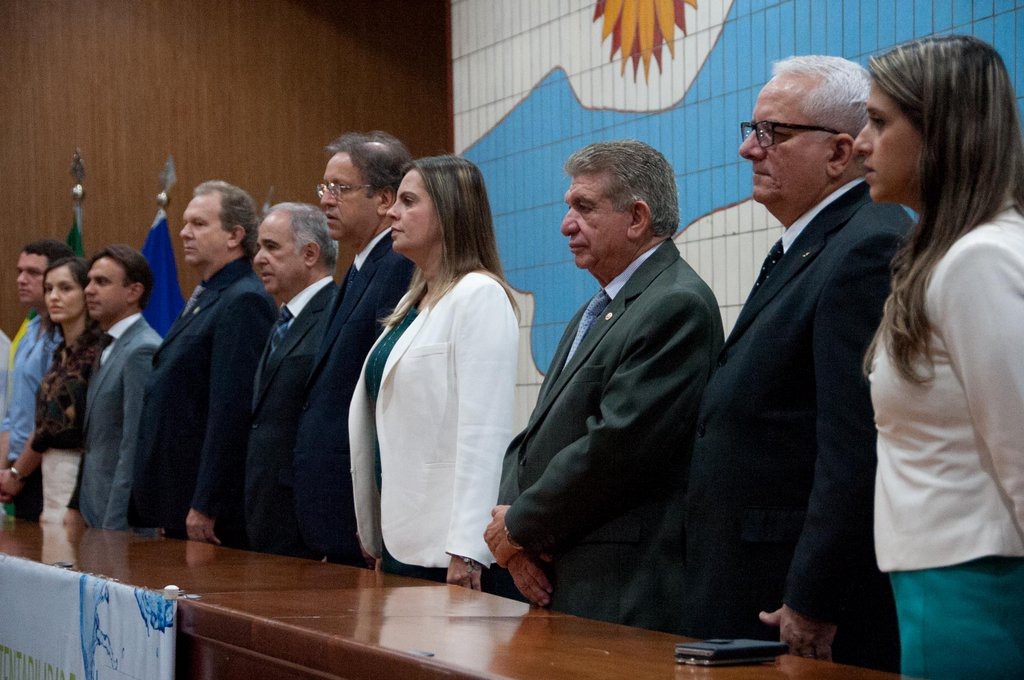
{"points": [[302, 298], [118, 329], [365, 252], [789, 236], [616, 284]]}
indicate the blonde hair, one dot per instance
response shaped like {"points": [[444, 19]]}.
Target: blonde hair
{"points": [[457, 190]]}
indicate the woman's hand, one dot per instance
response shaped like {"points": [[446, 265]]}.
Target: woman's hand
{"points": [[463, 573]]}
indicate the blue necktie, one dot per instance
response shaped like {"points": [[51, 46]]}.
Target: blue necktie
{"points": [[594, 309], [284, 320]]}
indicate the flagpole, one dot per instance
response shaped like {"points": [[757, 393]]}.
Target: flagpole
{"points": [[166, 301]]}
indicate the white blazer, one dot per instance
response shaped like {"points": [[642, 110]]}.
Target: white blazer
{"points": [[443, 420], [950, 480]]}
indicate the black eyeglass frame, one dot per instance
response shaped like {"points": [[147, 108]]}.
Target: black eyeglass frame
{"points": [[765, 130]]}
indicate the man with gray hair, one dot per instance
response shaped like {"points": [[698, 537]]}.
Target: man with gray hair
{"points": [[195, 409], [295, 260], [779, 507], [591, 491]]}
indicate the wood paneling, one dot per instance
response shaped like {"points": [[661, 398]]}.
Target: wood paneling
{"points": [[242, 90]]}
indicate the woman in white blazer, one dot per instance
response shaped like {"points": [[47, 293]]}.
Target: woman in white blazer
{"points": [[947, 364], [432, 414]]}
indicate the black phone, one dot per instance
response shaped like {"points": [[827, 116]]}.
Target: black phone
{"points": [[721, 652]]}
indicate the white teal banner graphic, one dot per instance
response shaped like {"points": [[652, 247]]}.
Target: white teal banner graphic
{"points": [[57, 624]]}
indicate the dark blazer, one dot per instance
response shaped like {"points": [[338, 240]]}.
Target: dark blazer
{"points": [[112, 411], [597, 477], [323, 478], [195, 411], [276, 404], [780, 503]]}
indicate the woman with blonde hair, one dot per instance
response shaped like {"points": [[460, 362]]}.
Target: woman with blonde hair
{"points": [[432, 414], [946, 367]]}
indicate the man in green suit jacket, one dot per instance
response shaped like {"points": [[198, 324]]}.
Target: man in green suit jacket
{"points": [[590, 519]]}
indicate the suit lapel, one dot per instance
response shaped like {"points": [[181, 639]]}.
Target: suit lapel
{"points": [[801, 254], [300, 327], [347, 300], [639, 282], [99, 378], [206, 300]]}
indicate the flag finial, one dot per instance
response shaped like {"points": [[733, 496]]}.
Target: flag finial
{"points": [[78, 173], [167, 179]]}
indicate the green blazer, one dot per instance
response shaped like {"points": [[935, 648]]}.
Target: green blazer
{"points": [[597, 478]]}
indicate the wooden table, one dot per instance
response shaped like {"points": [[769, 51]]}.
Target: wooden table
{"points": [[263, 616]]}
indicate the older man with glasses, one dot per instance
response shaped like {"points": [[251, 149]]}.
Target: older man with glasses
{"points": [[779, 504]]}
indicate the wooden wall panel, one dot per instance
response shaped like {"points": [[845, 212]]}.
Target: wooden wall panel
{"points": [[242, 90]]}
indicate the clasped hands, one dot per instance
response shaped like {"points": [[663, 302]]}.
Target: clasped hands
{"points": [[526, 567]]}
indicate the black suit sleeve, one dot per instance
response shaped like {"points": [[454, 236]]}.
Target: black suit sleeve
{"points": [[241, 330], [836, 545]]}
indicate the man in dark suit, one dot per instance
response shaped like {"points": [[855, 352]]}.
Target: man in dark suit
{"points": [[360, 184], [195, 411], [295, 261], [779, 509], [120, 283], [591, 491]]}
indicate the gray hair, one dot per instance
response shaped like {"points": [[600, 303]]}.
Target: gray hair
{"points": [[237, 209], [379, 157], [840, 98], [309, 225], [636, 172]]}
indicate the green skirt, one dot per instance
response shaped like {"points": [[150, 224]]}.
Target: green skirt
{"points": [[962, 621]]}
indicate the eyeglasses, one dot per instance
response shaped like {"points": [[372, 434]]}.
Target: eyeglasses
{"points": [[765, 130], [338, 190]]}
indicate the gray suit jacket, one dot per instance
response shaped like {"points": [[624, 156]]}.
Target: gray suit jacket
{"points": [[113, 407], [596, 479]]}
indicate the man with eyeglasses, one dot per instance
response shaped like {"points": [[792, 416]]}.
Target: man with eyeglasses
{"points": [[360, 184], [779, 504]]}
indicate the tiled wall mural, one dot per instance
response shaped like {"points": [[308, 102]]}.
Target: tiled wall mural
{"points": [[535, 80]]}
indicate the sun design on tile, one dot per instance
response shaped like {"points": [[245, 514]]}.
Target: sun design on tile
{"points": [[640, 27]]}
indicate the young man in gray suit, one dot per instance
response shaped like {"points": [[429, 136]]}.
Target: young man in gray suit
{"points": [[295, 262], [120, 283], [592, 489]]}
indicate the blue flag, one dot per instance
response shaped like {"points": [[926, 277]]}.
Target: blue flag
{"points": [[166, 302]]}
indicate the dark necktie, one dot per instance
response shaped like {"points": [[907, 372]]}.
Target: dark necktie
{"points": [[103, 343], [773, 257], [284, 320], [594, 309]]}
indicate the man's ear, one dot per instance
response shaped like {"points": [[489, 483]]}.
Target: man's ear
{"points": [[841, 155], [135, 290], [640, 221], [237, 236], [385, 199], [310, 254]]}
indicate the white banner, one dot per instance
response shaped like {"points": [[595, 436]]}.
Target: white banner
{"points": [[57, 624]]}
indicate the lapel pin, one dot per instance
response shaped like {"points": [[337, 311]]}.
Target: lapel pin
{"points": [[195, 311], [608, 316], [806, 254]]}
